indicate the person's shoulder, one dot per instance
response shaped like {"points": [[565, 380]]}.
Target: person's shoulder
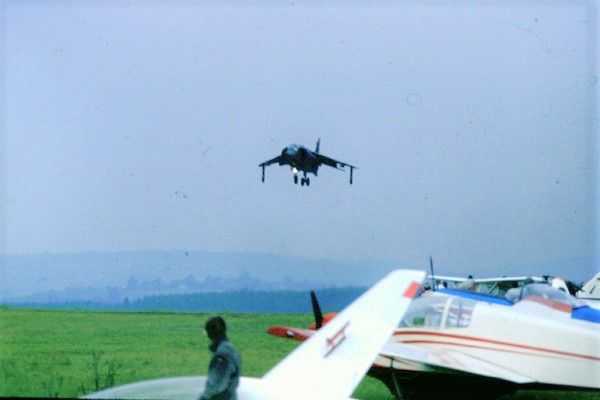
{"points": [[226, 346], [228, 351]]}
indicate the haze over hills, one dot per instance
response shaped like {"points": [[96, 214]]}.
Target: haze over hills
{"points": [[113, 276], [110, 277], [135, 290]]}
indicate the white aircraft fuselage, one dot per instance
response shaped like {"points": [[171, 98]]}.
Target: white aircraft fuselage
{"points": [[537, 342]]}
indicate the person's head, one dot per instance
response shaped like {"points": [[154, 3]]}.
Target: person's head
{"points": [[470, 277], [215, 328]]}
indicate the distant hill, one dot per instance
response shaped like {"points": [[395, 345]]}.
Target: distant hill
{"points": [[135, 290], [243, 301], [110, 278]]}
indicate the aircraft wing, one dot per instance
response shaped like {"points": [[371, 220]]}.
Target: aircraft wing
{"points": [[269, 162], [449, 361], [485, 280], [333, 361], [333, 163], [327, 366]]}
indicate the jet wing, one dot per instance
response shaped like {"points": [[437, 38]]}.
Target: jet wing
{"points": [[271, 161], [333, 361], [332, 163], [449, 361]]}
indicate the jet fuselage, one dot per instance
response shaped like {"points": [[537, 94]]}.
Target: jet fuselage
{"points": [[300, 158]]}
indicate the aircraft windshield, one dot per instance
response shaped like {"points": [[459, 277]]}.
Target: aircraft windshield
{"points": [[291, 149], [545, 291], [438, 311]]}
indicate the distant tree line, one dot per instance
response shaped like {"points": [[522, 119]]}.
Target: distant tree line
{"points": [[243, 301]]}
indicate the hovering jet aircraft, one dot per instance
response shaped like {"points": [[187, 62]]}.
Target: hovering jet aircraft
{"points": [[473, 345], [299, 158], [329, 365]]}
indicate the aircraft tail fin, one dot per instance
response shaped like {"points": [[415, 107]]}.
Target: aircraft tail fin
{"points": [[333, 361], [318, 145], [591, 290]]}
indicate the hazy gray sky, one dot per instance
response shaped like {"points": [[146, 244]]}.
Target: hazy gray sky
{"points": [[140, 125]]}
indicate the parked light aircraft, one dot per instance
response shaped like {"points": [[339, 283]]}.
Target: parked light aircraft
{"points": [[474, 345], [300, 158], [327, 366], [498, 286]]}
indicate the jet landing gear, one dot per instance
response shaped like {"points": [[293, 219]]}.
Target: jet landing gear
{"points": [[303, 181]]}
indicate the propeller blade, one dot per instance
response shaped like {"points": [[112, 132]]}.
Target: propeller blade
{"points": [[316, 310]]}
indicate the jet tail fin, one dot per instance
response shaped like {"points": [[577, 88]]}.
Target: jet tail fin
{"points": [[333, 361], [318, 145]]}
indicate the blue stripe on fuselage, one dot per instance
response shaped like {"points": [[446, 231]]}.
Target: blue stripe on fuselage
{"points": [[586, 313]]}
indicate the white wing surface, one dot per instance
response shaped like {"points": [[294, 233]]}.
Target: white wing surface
{"points": [[327, 366], [333, 361]]}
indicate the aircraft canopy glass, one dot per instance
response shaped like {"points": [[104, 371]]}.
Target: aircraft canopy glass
{"points": [[437, 312], [545, 291]]}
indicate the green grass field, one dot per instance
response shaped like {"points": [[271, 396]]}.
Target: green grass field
{"points": [[71, 353]]}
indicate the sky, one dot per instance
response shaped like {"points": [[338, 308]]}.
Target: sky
{"points": [[140, 125]]}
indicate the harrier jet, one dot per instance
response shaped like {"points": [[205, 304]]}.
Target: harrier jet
{"points": [[299, 158]]}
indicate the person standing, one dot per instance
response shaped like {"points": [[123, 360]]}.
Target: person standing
{"points": [[225, 365], [468, 284]]}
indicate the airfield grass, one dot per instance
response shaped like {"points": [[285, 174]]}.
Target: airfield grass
{"points": [[66, 354]]}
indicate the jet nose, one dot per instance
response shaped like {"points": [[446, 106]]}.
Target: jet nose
{"points": [[289, 151]]}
